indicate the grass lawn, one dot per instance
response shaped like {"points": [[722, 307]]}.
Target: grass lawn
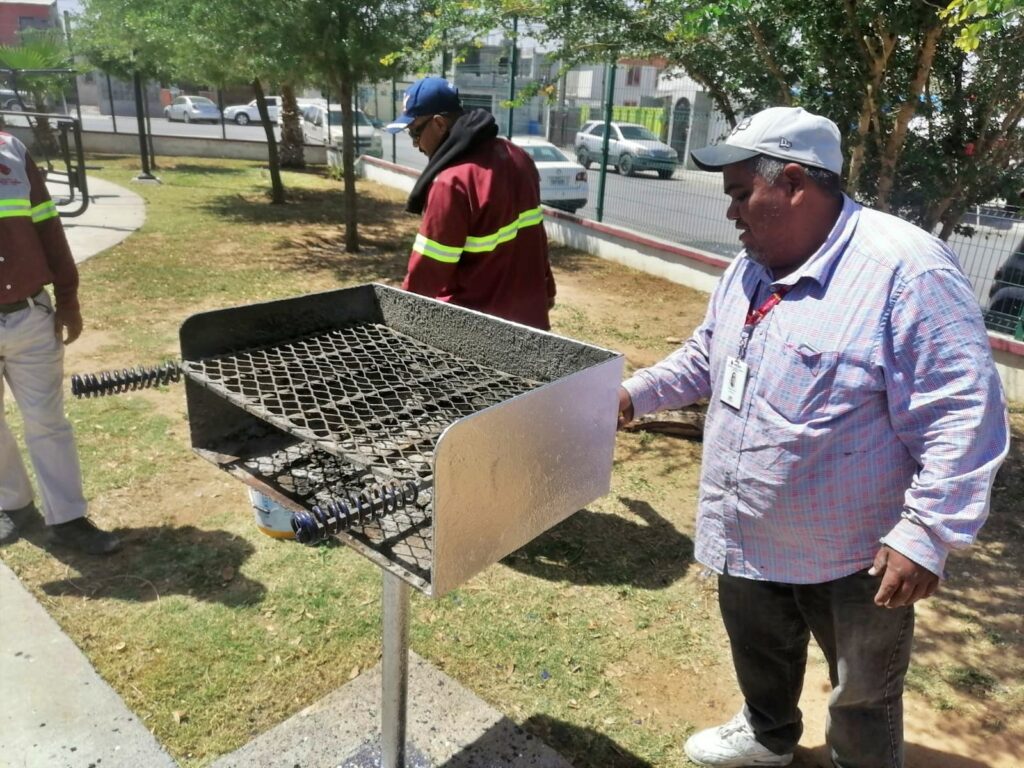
{"points": [[601, 637]]}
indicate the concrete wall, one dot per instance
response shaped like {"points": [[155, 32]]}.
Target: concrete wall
{"points": [[106, 143], [188, 146], [686, 266]]}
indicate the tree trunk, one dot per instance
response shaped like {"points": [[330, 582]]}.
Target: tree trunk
{"points": [[875, 47], [291, 152], [785, 95], [277, 194], [940, 209], [348, 161], [894, 144], [950, 219], [719, 97]]}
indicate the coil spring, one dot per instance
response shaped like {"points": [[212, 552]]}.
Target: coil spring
{"points": [[126, 380], [358, 508]]}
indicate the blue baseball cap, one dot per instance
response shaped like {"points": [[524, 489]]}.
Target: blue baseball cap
{"points": [[429, 96]]}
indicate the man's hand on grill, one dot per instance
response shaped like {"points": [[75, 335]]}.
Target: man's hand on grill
{"points": [[625, 408], [67, 324]]}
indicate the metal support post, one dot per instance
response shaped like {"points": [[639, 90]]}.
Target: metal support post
{"points": [[609, 95], [110, 96], [394, 116], [71, 52], [327, 116], [513, 61], [149, 130], [220, 106], [394, 671]]}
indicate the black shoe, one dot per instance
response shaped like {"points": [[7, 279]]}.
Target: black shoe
{"points": [[8, 530], [82, 534]]}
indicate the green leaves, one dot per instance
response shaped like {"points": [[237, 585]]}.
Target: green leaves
{"points": [[977, 20]]}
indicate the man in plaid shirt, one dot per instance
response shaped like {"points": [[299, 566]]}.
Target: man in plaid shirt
{"points": [[855, 426]]}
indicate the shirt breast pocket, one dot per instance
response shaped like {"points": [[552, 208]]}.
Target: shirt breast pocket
{"points": [[796, 379]]}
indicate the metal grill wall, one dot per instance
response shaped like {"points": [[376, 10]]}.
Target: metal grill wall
{"points": [[455, 437]]}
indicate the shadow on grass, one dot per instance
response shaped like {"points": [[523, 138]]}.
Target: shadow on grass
{"points": [[206, 170], [979, 606], [919, 756], [916, 756], [582, 747], [597, 548], [156, 562], [303, 206], [570, 260]]}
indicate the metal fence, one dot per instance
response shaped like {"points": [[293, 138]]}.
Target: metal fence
{"points": [[688, 208]]}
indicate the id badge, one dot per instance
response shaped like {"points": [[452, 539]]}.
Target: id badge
{"points": [[735, 382]]}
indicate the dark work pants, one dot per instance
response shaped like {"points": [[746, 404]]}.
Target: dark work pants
{"points": [[867, 648]]}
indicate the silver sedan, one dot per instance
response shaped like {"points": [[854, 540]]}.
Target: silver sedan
{"points": [[192, 109]]}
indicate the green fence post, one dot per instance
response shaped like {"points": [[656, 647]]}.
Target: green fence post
{"points": [[394, 116], [609, 94], [513, 62]]}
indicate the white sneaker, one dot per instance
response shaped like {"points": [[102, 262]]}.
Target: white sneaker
{"points": [[731, 746]]}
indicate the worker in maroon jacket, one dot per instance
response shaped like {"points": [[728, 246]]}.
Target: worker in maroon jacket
{"points": [[482, 243], [35, 253]]}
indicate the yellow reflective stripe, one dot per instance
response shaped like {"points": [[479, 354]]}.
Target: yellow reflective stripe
{"points": [[486, 243], [435, 250], [44, 211], [15, 206]]}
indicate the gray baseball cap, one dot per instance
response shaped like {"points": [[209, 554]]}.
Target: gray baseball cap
{"points": [[787, 133]]}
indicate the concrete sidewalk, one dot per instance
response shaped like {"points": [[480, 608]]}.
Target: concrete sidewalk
{"points": [[56, 712], [113, 213]]}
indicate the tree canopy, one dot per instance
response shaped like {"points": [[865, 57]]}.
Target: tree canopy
{"points": [[929, 99]]}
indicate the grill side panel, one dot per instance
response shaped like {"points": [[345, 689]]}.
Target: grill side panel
{"points": [[505, 475]]}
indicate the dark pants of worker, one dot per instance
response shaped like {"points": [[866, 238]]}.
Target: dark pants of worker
{"points": [[867, 648]]}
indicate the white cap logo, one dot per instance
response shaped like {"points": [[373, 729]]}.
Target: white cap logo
{"points": [[785, 143]]}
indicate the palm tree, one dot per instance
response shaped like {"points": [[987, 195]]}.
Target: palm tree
{"points": [[39, 50], [291, 151]]}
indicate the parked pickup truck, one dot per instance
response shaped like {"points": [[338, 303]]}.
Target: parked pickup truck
{"points": [[320, 126]]}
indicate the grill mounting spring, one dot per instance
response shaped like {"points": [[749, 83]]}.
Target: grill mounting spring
{"points": [[126, 380], [353, 508]]}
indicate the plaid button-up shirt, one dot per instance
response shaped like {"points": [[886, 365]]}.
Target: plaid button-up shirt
{"points": [[872, 411]]}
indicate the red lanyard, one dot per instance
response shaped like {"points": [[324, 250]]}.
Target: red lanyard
{"points": [[755, 316]]}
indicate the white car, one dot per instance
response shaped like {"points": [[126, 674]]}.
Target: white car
{"points": [[563, 182], [320, 126], [243, 114]]}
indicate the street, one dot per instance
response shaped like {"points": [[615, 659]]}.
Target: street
{"points": [[688, 209]]}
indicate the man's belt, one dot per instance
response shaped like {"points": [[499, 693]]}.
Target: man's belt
{"points": [[17, 306]]}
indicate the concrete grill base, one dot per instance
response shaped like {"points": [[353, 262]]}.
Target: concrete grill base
{"points": [[447, 726]]}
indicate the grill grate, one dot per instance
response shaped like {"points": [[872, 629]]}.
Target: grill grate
{"points": [[366, 393], [314, 477]]}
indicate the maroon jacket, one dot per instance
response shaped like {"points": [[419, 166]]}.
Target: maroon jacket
{"points": [[482, 243], [33, 249]]}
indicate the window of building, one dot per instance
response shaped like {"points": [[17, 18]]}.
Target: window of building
{"points": [[633, 75]]}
